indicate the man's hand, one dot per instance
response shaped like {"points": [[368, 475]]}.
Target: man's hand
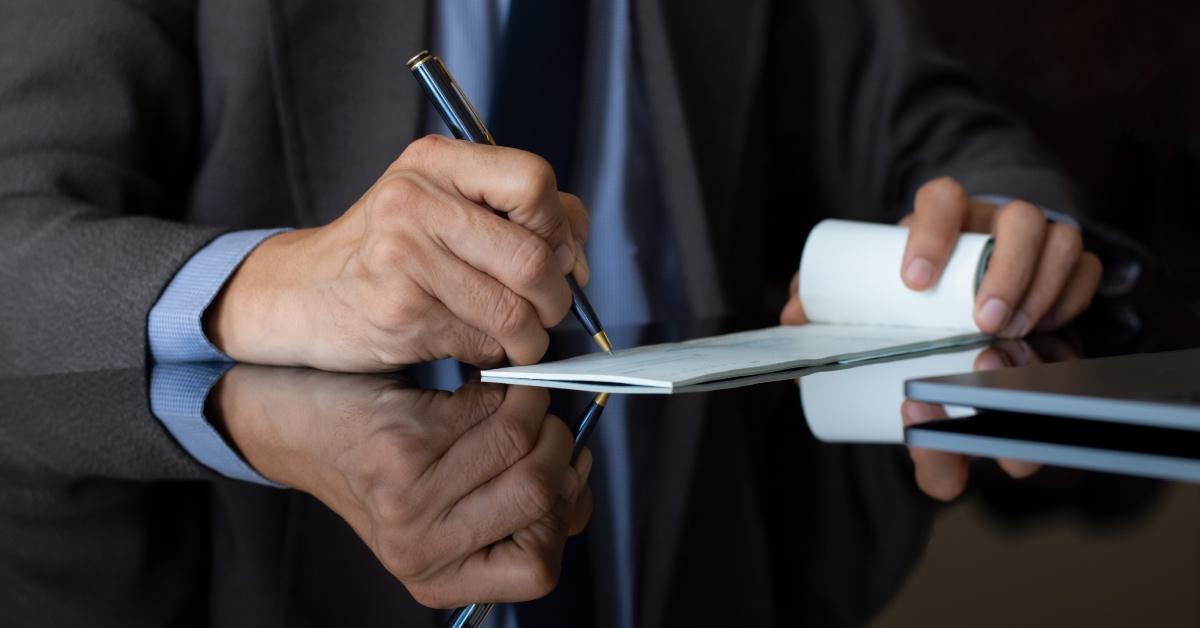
{"points": [[420, 268], [943, 475], [464, 497], [1039, 276]]}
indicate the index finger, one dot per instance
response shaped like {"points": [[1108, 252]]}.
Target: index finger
{"points": [[517, 183], [938, 213]]}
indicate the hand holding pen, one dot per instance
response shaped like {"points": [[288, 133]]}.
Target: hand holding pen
{"points": [[465, 123]]}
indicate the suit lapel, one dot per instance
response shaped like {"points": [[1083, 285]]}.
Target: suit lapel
{"points": [[344, 95], [701, 62]]}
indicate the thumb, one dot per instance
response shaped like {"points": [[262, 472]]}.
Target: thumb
{"points": [[793, 310]]}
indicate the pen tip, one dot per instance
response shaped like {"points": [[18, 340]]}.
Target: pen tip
{"points": [[602, 340]]}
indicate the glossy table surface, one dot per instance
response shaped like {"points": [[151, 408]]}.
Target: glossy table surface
{"points": [[723, 508]]}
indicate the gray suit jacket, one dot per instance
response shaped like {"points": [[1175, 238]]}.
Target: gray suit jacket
{"points": [[135, 131]]}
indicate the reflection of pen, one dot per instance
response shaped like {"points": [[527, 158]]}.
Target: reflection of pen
{"points": [[587, 423], [454, 107], [473, 615]]}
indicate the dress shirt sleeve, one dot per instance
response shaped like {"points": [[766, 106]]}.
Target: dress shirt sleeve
{"points": [[175, 330], [177, 396], [1000, 200]]}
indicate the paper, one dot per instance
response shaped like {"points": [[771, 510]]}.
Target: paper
{"points": [[852, 293], [862, 404], [850, 274], [673, 365]]}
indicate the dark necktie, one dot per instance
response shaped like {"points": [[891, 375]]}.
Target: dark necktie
{"points": [[535, 106]]}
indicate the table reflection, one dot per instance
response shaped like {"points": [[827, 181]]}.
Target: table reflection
{"points": [[720, 508]]}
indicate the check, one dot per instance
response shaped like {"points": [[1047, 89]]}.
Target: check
{"points": [[852, 294], [673, 367]]}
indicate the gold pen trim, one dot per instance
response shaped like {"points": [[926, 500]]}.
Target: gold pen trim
{"points": [[602, 340], [601, 399], [417, 59]]}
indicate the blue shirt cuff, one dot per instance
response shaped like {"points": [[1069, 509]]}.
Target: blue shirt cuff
{"points": [[175, 327], [177, 396], [1000, 200]]}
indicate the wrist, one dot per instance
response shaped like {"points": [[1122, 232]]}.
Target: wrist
{"points": [[241, 408], [257, 315]]}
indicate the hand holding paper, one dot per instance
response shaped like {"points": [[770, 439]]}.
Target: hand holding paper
{"points": [[859, 310]]}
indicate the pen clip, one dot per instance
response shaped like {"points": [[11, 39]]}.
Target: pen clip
{"points": [[470, 107]]}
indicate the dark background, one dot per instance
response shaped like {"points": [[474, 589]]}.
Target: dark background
{"points": [[1112, 89]]}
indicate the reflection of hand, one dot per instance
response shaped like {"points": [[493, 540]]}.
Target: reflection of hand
{"points": [[464, 497], [943, 475], [420, 268], [1039, 274]]}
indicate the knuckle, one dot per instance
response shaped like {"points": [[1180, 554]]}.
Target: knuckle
{"points": [[537, 491], [479, 400], [1066, 240], [430, 596], [942, 492], [536, 174], [426, 147], [515, 438], [543, 576], [397, 193], [387, 253], [393, 508], [940, 488], [511, 314], [940, 192], [1021, 212], [402, 557], [486, 349], [532, 261], [395, 314], [402, 444]]}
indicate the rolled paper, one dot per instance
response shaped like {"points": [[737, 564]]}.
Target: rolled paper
{"points": [[861, 404], [850, 274]]}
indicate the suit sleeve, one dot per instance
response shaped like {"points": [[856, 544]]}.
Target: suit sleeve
{"points": [[886, 114], [98, 106]]}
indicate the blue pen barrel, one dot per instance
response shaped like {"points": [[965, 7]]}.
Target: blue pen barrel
{"points": [[457, 111]]}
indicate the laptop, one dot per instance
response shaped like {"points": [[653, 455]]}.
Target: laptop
{"points": [[1150, 389], [1104, 446]]}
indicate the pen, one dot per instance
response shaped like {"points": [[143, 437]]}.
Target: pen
{"points": [[464, 122], [473, 615]]}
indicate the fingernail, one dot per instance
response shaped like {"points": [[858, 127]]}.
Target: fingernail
{"points": [[919, 272], [993, 314], [1018, 327], [566, 257]]}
